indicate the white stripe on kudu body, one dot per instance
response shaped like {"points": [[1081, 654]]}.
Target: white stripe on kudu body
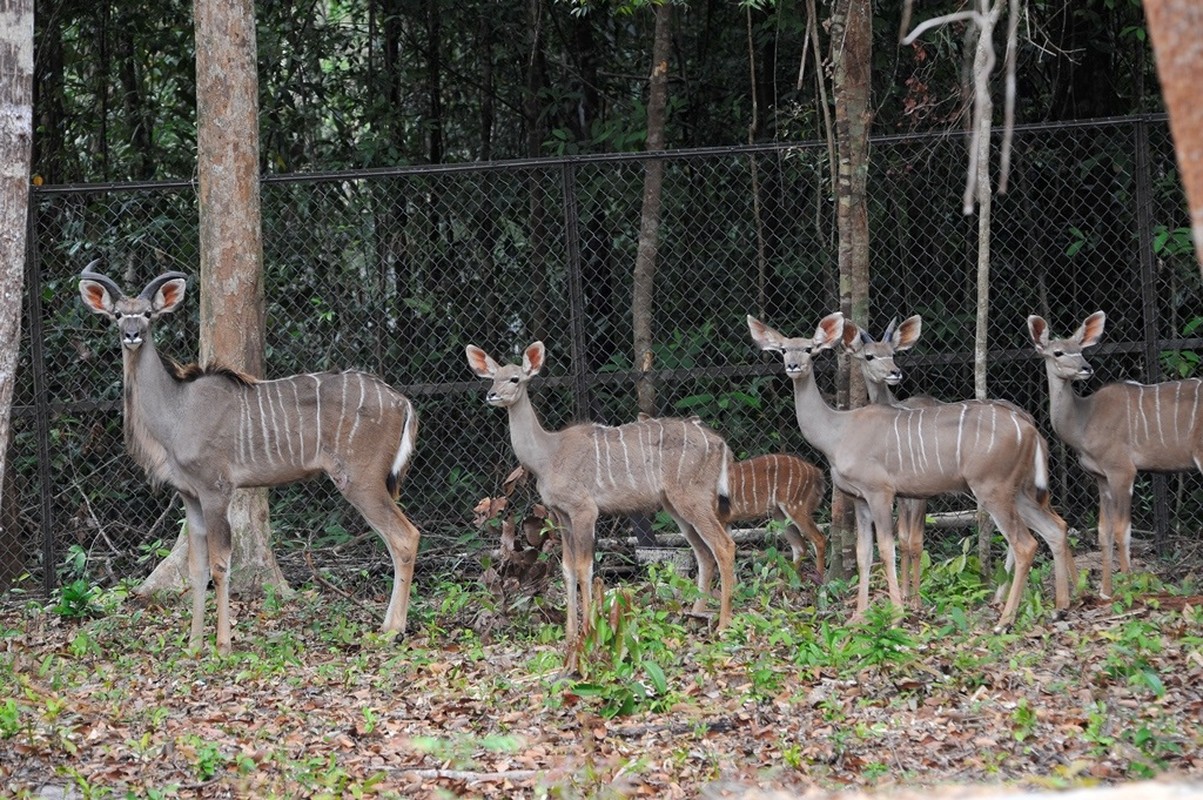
{"points": [[1001, 471], [209, 432], [1119, 430], [685, 474]]}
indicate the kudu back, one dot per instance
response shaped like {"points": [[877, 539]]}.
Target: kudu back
{"points": [[208, 431]]}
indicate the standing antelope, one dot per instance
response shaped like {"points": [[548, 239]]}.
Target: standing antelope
{"points": [[1121, 428], [786, 488], [584, 470], [877, 453], [208, 431], [876, 360]]}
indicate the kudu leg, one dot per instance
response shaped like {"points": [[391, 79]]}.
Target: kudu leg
{"points": [[1023, 547], [217, 527], [1055, 531], [705, 560], [864, 556], [1121, 525], [716, 549], [198, 569], [911, 516], [577, 539], [401, 537], [799, 522], [1107, 520], [883, 526]]}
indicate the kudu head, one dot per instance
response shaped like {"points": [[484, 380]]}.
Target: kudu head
{"points": [[509, 381], [133, 315], [877, 357], [1064, 356], [798, 352]]}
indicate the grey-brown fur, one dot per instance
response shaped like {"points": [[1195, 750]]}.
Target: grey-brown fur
{"points": [[207, 432], [585, 470], [786, 488], [1120, 429], [877, 453]]}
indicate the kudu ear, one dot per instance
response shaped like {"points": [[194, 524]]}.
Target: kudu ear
{"points": [[764, 336], [854, 337], [533, 358], [908, 333], [830, 331], [1038, 330], [1092, 329], [480, 362], [165, 293], [99, 293]]}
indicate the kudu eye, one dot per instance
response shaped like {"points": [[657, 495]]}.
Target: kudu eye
{"points": [[146, 314], [514, 379], [117, 315], [869, 357], [1058, 353], [807, 350]]}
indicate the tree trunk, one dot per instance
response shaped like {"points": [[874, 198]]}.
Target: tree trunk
{"points": [[536, 80], [643, 285], [231, 248], [852, 50], [16, 133], [983, 119], [1176, 28]]}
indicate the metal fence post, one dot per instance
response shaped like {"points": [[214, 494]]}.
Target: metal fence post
{"points": [[1150, 315], [41, 402], [576, 293]]}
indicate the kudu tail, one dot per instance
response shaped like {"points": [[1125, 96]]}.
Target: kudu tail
{"points": [[1040, 471], [405, 449], [724, 487]]}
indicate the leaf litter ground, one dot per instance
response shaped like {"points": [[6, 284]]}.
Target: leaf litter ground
{"points": [[473, 703]]}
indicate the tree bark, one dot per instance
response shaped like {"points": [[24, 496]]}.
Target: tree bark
{"points": [[231, 255], [852, 51], [16, 133], [1176, 28], [983, 119], [643, 285]]}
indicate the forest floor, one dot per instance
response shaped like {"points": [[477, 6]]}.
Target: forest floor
{"points": [[100, 698]]}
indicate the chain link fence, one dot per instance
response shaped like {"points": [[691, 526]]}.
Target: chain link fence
{"points": [[396, 271]]}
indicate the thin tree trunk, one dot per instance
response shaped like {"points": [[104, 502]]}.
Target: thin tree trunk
{"points": [[983, 116], [16, 133], [851, 41], [643, 285], [532, 111], [231, 255]]}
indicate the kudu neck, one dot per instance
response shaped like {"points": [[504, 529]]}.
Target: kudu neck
{"points": [[880, 394], [533, 444], [820, 424], [1067, 409]]}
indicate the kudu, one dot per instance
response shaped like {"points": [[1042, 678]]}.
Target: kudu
{"points": [[586, 469], [876, 359], [1121, 428], [786, 488], [208, 431], [877, 453]]}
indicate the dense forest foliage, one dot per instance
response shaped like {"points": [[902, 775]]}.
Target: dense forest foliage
{"points": [[380, 83]]}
